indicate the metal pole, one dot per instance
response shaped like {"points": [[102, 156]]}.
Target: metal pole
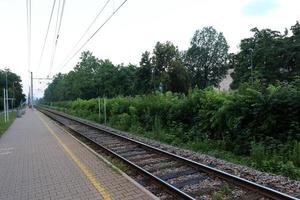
{"points": [[31, 95], [7, 106], [13, 100], [4, 105], [99, 109], [104, 111]]}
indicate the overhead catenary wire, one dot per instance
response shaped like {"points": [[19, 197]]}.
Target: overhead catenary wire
{"points": [[57, 30], [28, 11], [54, 37], [105, 22], [46, 36], [88, 28]]}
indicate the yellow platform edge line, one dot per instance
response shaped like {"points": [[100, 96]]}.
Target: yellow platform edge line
{"points": [[104, 193]]}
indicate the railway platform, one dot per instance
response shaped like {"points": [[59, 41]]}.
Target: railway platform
{"points": [[39, 160]]}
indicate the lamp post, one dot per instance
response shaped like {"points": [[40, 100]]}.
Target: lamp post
{"points": [[13, 99], [6, 100]]}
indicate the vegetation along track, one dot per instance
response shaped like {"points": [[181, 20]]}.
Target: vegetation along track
{"points": [[178, 176]]}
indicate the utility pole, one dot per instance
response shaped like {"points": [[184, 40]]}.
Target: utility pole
{"points": [[99, 109], [29, 96], [31, 92], [4, 105], [40, 79], [104, 110], [13, 99], [7, 106]]}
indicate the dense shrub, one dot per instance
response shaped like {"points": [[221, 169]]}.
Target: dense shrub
{"points": [[249, 121]]}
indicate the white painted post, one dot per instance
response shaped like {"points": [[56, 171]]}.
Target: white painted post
{"points": [[7, 106], [104, 110], [4, 105], [99, 109], [6, 96]]}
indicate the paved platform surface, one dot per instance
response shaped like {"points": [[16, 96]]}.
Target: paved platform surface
{"points": [[40, 161]]}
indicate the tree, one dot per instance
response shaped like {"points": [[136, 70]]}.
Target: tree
{"points": [[15, 88], [85, 83], [144, 77], [124, 80], [55, 91], [273, 56], [207, 57], [164, 54], [178, 78], [294, 50]]}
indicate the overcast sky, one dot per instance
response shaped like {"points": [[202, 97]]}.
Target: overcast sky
{"points": [[134, 29]]}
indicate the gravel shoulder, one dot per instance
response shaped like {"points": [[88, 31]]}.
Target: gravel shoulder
{"points": [[277, 182]]}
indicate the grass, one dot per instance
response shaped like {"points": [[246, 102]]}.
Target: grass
{"points": [[4, 126], [224, 191], [215, 149]]}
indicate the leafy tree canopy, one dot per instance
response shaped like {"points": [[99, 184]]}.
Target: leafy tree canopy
{"points": [[15, 88], [207, 57], [268, 56]]}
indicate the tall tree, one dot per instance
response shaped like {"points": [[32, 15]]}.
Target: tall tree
{"points": [[164, 54], [294, 50], [207, 57], [124, 79], [55, 90], [15, 88], [178, 77], [268, 56], [85, 75], [144, 76]]}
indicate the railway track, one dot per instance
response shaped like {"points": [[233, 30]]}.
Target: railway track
{"points": [[180, 177]]}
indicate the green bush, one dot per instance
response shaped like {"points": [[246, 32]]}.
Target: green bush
{"points": [[258, 153], [210, 119], [296, 154]]}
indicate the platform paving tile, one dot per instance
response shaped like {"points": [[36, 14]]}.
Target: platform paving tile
{"points": [[33, 165]]}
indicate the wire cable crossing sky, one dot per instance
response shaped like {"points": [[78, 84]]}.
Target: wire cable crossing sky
{"points": [[94, 34], [59, 18], [28, 41], [87, 30], [46, 36], [28, 10]]}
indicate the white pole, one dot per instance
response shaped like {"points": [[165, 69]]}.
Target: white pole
{"points": [[4, 105], [7, 106], [104, 111], [31, 92], [99, 109]]}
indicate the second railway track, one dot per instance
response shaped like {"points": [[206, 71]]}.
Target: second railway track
{"points": [[183, 178]]}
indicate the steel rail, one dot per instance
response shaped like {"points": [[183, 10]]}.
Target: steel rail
{"points": [[244, 183], [170, 188]]}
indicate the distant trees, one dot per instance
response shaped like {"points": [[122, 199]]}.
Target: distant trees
{"points": [[15, 88], [268, 56]]}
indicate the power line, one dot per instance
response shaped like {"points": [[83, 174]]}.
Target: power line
{"points": [[87, 30], [105, 22], [54, 37], [28, 11], [46, 36], [57, 30]]}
